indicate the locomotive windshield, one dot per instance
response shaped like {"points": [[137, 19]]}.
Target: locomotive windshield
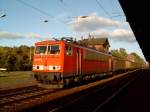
{"points": [[50, 49], [40, 49], [53, 49]]}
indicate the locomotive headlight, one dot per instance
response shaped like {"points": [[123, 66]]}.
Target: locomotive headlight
{"points": [[34, 67], [38, 67], [55, 67], [58, 67], [50, 67]]}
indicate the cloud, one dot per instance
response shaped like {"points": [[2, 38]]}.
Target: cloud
{"points": [[97, 25], [16, 35], [122, 35], [33, 35], [10, 35], [91, 23], [116, 34], [101, 32]]}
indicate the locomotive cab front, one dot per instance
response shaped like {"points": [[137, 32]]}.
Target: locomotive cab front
{"points": [[48, 62]]}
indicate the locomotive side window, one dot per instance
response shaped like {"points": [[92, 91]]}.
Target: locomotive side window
{"points": [[68, 50], [53, 49], [40, 50]]}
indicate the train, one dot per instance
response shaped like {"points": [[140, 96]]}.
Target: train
{"points": [[58, 63]]}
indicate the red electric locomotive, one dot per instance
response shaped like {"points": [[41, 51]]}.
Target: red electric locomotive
{"points": [[58, 63], [61, 62]]}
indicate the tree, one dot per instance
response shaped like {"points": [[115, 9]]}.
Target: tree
{"points": [[138, 58], [16, 58], [11, 62], [121, 53]]}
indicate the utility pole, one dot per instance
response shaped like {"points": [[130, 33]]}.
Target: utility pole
{"points": [[30, 54]]}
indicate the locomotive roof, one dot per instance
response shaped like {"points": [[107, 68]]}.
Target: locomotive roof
{"points": [[54, 42], [47, 41]]}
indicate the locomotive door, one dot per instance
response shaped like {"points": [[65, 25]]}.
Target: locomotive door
{"points": [[79, 61]]}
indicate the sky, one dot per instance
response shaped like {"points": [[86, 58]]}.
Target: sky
{"points": [[24, 23]]}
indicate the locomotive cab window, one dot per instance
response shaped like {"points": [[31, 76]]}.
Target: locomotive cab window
{"points": [[40, 50], [68, 49], [53, 49]]}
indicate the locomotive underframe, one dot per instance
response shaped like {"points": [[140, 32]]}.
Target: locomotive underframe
{"points": [[62, 79]]}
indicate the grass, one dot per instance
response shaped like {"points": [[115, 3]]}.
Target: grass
{"points": [[16, 79]]}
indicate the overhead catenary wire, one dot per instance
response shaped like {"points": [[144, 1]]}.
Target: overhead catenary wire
{"points": [[115, 12], [38, 10], [119, 15], [62, 2], [65, 7], [35, 8], [105, 11], [101, 6]]}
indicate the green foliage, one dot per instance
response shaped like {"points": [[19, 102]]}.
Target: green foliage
{"points": [[16, 58], [121, 53], [138, 58]]}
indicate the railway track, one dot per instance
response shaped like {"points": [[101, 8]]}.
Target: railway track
{"points": [[98, 100], [58, 100], [10, 102], [89, 100], [11, 92], [102, 107]]}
